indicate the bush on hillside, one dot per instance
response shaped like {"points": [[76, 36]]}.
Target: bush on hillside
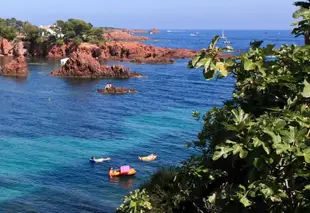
{"points": [[255, 150]]}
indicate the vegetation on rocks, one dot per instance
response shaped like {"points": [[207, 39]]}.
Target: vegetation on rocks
{"points": [[78, 31], [254, 152], [9, 28]]}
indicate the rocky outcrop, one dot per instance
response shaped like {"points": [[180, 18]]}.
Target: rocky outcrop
{"points": [[6, 47], [154, 31], [61, 51], [137, 31], [151, 60], [83, 65], [116, 90], [16, 67], [120, 35], [142, 53], [19, 49], [90, 49]]}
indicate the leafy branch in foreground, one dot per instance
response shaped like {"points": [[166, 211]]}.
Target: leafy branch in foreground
{"points": [[255, 150], [302, 26], [136, 202]]}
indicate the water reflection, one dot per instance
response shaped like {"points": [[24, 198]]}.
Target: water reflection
{"points": [[124, 182], [82, 83], [17, 79]]}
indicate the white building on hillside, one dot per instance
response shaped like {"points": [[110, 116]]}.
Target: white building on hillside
{"points": [[50, 31]]}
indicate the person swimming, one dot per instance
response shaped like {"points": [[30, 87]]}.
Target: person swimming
{"points": [[150, 157], [98, 160]]}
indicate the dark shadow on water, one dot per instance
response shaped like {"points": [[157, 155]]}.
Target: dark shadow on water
{"points": [[87, 82], [81, 82], [20, 80], [124, 182]]}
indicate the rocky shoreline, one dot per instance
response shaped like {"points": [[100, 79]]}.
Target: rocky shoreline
{"points": [[16, 68], [120, 45]]}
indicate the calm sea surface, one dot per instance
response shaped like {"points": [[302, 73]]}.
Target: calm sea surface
{"points": [[49, 127]]}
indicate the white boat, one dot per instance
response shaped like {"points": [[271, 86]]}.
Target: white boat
{"points": [[226, 41], [223, 35], [192, 34], [169, 31], [63, 61]]}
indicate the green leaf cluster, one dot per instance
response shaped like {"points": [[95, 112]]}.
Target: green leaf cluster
{"points": [[78, 31], [302, 25], [258, 144], [136, 202], [255, 150]]}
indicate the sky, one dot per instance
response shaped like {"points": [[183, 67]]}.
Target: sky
{"points": [[162, 14]]}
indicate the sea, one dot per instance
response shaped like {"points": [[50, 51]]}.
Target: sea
{"points": [[50, 127]]}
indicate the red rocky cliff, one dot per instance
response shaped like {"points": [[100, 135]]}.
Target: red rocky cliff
{"points": [[120, 35], [16, 67], [83, 65], [6, 47], [154, 31], [142, 53]]}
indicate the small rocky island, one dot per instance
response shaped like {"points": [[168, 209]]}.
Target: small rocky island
{"points": [[16, 68], [83, 65], [110, 89]]}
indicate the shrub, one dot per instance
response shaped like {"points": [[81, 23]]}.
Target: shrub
{"points": [[77, 41], [60, 42], [136, 202]]}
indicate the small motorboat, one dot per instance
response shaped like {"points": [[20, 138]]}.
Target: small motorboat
{"points": [[151, 157], [192, 34], [98, 160], [63, 61], [123, 171]]}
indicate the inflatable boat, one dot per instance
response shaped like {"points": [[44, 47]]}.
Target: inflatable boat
{"points": [[123, 171]]}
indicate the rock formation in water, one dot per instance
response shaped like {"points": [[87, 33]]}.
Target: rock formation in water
{"points": [[16, 67], [121, 35], [110, 89], [142, 53], [137, 31], [61, 51], [151, 60], [6, 47], [19, 49], [154, 31], [83, 65]]}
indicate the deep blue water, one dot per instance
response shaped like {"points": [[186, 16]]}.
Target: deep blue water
{"points": [[49, 127]]}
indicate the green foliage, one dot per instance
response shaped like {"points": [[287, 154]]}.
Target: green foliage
{"points": [[258, 143], [255, 150], [31, 32], [9, 28], [303, 25], [79, 31], [13, 23], [7, 32], [162, 189], [210, 62], [136, 202], [60, 42], [77, 40]]}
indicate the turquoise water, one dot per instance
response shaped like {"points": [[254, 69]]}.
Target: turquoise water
{"points": [[49, 127]]}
